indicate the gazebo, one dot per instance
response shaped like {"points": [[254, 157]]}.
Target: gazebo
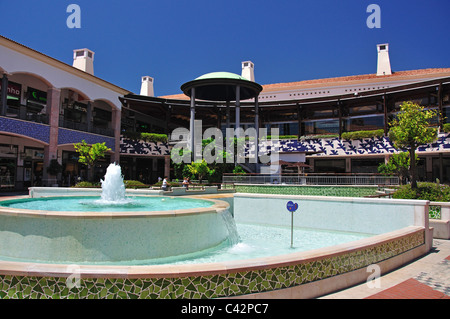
{"points": [[221, 87]]}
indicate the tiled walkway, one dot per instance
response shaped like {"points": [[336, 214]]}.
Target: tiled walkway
{"points": [[426, 278], [410, 289]]}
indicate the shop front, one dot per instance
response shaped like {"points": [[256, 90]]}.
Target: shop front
{"points": [[33, 166], [8, 164]]}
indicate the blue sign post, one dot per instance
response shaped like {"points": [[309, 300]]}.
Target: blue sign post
{"points": [[292, 207]]}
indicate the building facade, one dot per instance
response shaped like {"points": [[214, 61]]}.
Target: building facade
{"points": [[46, 107]]}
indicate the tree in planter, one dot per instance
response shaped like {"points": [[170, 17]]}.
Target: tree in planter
{"points": [[200, 169], [411, 129], [90, 154], [398, 164]]}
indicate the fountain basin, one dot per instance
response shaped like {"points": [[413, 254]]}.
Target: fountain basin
{"points": [[305, 274], [96, 237]]}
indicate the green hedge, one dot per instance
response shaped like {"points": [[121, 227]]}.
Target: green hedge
{"points": [[362, 134], [128, 184], [312, 137], [147, 137], [87, 185], [425, 191], [341, 191]]}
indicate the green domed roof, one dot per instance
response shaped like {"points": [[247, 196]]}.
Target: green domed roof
{"points": [[221, 86], [221, 75]]}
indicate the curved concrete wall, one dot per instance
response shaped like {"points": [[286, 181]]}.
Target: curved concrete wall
{"points": [[109, 237]]}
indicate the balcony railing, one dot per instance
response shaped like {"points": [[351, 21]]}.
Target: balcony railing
{"points": [[84, 127], [311, 179], [22, 113]]}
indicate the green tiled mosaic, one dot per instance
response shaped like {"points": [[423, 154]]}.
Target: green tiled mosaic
{"points": [[342, 191], [435, 212], [211, 286]]}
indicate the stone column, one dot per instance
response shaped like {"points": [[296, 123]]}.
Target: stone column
{"points": [[167, 166], [192, 124], [238, 111], [51, 150], [257, 134], [116, 118], [4, 93], [89, 116], [228, 114]]}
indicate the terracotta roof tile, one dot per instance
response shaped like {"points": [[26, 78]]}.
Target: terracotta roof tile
{"points": [[410, 74], [359, 78]]}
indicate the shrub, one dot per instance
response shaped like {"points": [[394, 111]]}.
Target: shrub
{"points": [[283, 137], [134, 184], [426, 191], [318, 136], [447, 128], [170, 184], [128, 184], [362, 134], [146, 137], [86, 184]]}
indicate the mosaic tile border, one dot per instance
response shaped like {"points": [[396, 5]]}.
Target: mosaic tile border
{"points": [[208, 286], [341, 191]]}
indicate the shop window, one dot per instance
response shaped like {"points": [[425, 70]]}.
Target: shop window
{"points": [[322, 127], [446, 114], [8, 159], [36, 100], [102, 118], [363, 109], [364, 123], [441, 169], [284, 128], [329, 165], [366, 165]]}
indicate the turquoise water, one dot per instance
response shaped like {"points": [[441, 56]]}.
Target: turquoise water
{"points": [[246, 241], [254, 241], [95, 204]]}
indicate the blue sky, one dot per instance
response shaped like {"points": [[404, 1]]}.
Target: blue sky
{"points": [[177, 41]]}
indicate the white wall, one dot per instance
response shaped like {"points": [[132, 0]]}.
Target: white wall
{"points": [[13, 61]]}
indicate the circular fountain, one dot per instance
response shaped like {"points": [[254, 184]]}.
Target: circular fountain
{"points": [[113, 228]]}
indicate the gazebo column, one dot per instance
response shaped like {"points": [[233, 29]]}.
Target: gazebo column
{"points": [[238, 111], [219, 117], [192, 123], [257, 133], [228, 114]]}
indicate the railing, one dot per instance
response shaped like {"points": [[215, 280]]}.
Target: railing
{"points": [[311, 179], [84, 127], [21, 113]]}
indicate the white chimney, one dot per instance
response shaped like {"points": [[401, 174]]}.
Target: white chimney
{"points": [[83, 59], [248, 70], [147, 86], [384, 64]]}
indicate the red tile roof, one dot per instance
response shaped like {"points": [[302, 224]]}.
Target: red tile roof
{"points": [[353, 79], [412, 74]]}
